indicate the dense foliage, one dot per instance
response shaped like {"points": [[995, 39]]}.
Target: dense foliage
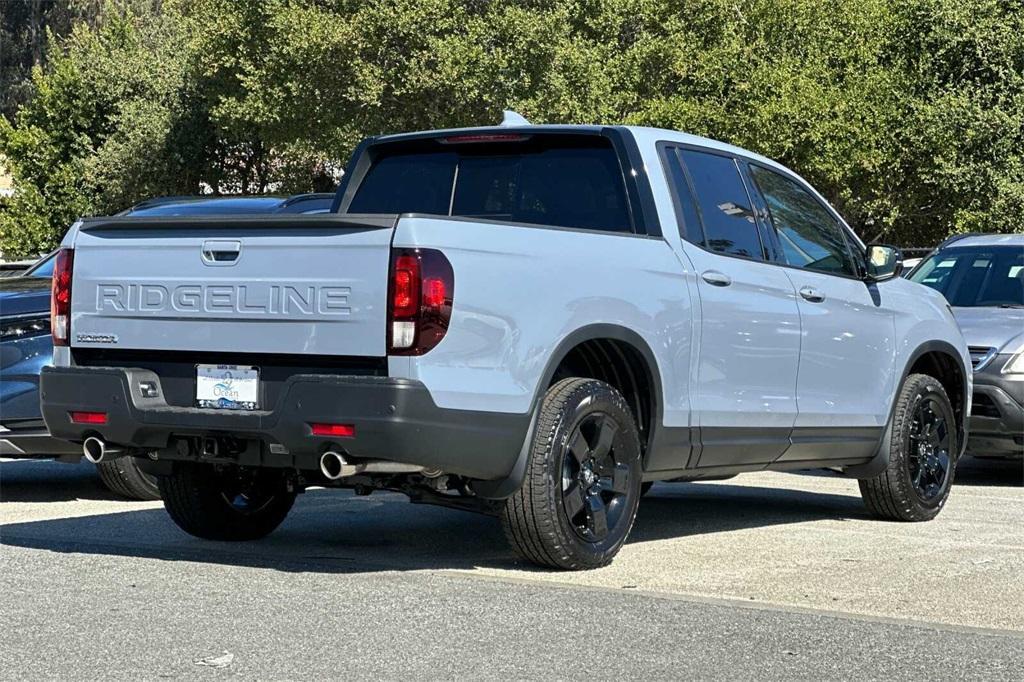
{"points": [[907, 114]]}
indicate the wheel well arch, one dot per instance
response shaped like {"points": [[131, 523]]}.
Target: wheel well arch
{"points": [[941, 361], [619, 357]]}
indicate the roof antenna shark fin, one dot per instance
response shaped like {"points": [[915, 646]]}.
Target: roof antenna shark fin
{"points": [[511, 119]]}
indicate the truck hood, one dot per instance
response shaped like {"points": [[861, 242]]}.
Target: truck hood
{"points": [[1000, 328], [24, 295]]}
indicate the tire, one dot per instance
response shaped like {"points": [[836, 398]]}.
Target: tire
{"points": [[123, 477], [226, 502], [923, 447], [579, 498]]}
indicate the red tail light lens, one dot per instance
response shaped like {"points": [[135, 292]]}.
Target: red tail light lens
{"points": [[60, 297], [434, 293], [405, 291], [420, 300]]}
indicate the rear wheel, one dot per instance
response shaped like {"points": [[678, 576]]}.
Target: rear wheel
{"points": [[922, 455], [123, 477], [579, 499], [226, 502]]}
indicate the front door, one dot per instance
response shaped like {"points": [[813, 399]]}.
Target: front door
{"points": [[847, 340], [744, 396]]}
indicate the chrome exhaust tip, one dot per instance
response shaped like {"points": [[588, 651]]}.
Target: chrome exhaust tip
{"points": [[333, 466], [96, 450]]}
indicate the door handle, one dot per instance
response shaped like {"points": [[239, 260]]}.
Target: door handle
{"points": [[716, 278], [221, 252], [812, 295]]}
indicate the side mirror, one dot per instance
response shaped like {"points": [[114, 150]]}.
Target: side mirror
{"points": [[884, 262]]}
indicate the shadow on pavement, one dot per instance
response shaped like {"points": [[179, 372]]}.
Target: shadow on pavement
{"points": [[46, 480], [335, 531], [990, 472], [972, 471]]}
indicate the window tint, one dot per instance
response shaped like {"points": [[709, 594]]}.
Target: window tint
{"points": [[572, 183], [976, 276], [811, 238], [729, 225], [43, 268], [689, 227], [404, 184]]}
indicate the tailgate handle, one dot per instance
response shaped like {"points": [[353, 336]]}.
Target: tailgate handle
{"points": [[221, 252]]}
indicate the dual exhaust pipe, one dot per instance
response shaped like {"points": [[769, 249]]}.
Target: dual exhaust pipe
{"points": [[334, 465], [97, 450]]}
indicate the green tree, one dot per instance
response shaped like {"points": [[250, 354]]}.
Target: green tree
{"points": [[906, 114]]}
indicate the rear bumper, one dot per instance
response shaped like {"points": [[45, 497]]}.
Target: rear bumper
{"points": [[997, 423], [394, 419]]}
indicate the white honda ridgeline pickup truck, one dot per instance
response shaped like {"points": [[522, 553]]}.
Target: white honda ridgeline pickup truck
{"points": [[535, 322]]}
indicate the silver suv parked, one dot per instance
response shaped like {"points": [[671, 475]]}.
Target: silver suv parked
{"points": [[529, 321], [982, 276]]}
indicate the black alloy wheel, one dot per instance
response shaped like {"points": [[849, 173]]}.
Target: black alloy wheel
{"points": [[581, 487], [920, 449], [928, 449], [594, 484]]}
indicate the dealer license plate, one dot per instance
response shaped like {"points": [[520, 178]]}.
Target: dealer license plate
{"points": [[227, 387]]}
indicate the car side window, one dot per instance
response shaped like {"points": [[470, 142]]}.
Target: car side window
{"points": [[810, 236], [725, 206], [686, 205]]}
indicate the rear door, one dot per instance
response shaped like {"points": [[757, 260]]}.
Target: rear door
{"points": [[307, 285], [847, 354], [745, 394]]}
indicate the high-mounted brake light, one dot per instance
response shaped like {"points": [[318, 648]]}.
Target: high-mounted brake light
{"points": [[485, 137], [419, 300], [60, 297]]}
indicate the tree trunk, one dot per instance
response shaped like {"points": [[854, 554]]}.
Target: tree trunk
{"points": [[35, 32]]}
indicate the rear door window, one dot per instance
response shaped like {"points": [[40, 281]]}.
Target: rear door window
{"points": [[810, 236], [725, 206], [573, 181]]}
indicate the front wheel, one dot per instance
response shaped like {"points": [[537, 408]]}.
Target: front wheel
{"points": [[217, 502], [580, 495], [923, 448]]}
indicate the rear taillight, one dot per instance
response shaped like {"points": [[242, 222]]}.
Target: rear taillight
{"points": [[60, 297], [420, 295]]}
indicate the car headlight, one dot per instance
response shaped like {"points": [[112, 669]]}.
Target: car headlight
{"points": [[1015, 365]]}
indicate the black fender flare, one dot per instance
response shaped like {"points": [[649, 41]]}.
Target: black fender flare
{"points": [[503, 488], [877, 464]]}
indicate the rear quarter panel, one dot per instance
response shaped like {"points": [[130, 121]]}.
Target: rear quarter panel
{"points": [[521, 290]]}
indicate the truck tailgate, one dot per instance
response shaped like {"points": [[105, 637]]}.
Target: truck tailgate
{"points": [[313, 284]]}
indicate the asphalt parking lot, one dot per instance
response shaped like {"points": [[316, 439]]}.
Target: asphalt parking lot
{"points": [[773, 576]]}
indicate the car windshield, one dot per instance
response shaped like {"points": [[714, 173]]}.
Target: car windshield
{"points": [[976, 276], [43, 268]]}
